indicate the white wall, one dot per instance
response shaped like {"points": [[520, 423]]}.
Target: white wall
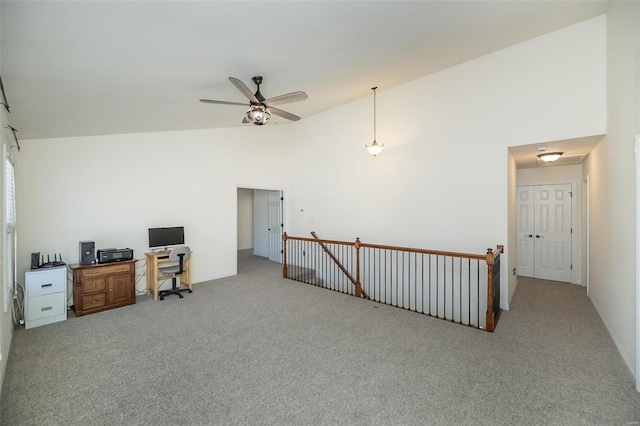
{"points": [[110, 189], [611, 170], [556, 175], [245, 219], [442, 180]]}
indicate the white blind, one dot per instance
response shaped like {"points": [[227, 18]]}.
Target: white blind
{"points": [[10, 195]]}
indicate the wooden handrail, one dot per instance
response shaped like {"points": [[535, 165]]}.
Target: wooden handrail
{"points": [[425, 251], [399, 248]]}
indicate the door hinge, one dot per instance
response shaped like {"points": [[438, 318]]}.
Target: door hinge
{"points": [[572, 230], [572, 267], [281, 198], [282, 225], [571, 194], [281, 251]]}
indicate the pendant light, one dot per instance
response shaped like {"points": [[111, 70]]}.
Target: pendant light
{"points": [[375, 148]]}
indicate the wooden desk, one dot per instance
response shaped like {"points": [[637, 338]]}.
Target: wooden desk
{"points": [[153, 258]]}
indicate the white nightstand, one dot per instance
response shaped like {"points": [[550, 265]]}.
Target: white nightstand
{"points": [[46, 296]]}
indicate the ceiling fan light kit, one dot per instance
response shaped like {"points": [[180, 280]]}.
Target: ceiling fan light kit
{"points": [[258, 115], [375, 148], [261, 109], [548, 157]]}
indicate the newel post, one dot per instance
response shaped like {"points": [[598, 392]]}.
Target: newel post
{"points": [[357, 245], [490, 318], [285, 272]]}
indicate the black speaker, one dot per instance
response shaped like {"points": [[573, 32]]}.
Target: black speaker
{"points": [[87, 252]]}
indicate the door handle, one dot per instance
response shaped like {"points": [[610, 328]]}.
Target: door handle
{"points": [[530, 236], [539, 236]]}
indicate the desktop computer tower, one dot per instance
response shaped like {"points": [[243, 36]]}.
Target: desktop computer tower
{"points": [[87, 252]]}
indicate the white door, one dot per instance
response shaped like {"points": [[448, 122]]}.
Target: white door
{"points": [[525, 231], [275, 226], [552, 225]]}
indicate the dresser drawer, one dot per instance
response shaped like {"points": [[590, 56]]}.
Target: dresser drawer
{"points": [[93, 285], [94, 301], [45, 306], [46, 282], [106, 270]]}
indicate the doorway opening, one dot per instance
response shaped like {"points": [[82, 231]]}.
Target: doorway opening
{"points": [[260, 222]]}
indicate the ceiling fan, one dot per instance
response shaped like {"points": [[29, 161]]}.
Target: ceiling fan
{"points": [[260, 109]]}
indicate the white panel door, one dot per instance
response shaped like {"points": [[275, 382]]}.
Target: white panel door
{"points": [[525, 231], [552, 224], [275, 226]]}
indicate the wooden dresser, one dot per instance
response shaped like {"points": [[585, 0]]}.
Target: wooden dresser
{"points": [[99, 287]]}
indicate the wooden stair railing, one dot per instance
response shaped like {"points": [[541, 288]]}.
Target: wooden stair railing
{"points": [[355, 281], [431, 282]]}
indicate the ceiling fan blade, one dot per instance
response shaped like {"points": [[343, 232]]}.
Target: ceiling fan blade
{"points": [[244, 89], [284, 114], [289, 97], [211, 101], [245, 121]]}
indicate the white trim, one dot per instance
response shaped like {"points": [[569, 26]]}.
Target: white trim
{"points": [[637, 369], [586, 243]]}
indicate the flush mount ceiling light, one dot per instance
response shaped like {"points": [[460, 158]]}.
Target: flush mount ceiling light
{"points": [[375, 148], [548, 157]]}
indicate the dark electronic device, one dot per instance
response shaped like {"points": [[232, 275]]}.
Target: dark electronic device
{"points": [[165, 237], [87, 252], [35, 260], [50, 263], [47, 264], [114, 255]]}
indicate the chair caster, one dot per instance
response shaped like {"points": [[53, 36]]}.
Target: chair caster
{"points": [[181, 296], [190, 291], [161, 297]]}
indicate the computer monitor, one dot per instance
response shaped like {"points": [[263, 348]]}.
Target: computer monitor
{"points": [[165, 237]]}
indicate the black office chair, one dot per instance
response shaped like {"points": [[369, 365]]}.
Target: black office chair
{"points": [[176, 265]]}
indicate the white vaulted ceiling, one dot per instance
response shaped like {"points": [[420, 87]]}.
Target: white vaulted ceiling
{"points": [[97, 67]]}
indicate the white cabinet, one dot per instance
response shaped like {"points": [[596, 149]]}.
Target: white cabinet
{"points": [[46, 296]]}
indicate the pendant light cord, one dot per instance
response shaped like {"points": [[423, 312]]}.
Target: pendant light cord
{"points": [[374, 113]]}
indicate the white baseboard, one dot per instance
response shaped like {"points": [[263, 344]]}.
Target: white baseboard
{"points": [[214, 277], [504, 306], [616, 341]]}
